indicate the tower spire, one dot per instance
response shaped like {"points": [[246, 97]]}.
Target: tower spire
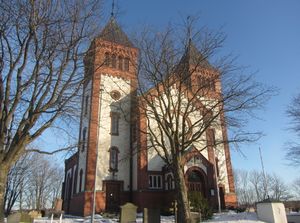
{"points": [[112, 8]]}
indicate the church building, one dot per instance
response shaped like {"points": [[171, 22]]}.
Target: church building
{"points": [[109, 150]]}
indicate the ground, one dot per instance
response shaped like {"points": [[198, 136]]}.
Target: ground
{"points": [[229, 217]]}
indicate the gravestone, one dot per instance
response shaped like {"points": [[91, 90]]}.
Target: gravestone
{"points": [[151, 215], [58, 204], [128, 213], [19, 217], [34, 214], [272, 212], [196, 217]]}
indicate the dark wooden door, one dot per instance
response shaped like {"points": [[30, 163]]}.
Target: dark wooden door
{"points": [[113, 196], [196, 182], [222, 197]]}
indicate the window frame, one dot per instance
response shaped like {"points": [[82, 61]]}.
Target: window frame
{"points": [[114, 61], [80, 180], [126, 64], [83, 141], [86, 105], [155, 181], [114, 123], [113, 159], [107, 59]]}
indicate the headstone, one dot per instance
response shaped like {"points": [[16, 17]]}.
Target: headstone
{"points": [[58, 204], [128, 213], [195, 217], [19, 217], [272, 212], [151, 215], [14, 218], [34, 214]]}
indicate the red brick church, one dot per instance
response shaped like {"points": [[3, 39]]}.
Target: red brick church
{"points": [[122, 175]]}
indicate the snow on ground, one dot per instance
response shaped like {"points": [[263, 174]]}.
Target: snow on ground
{"points": [[233, 217], [228, 217]]}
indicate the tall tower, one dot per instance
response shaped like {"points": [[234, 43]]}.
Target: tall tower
{"points": [[107, 108]]}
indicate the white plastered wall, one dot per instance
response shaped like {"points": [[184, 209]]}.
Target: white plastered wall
{"points": [[155, 163], [106, 140], [84, 124]]}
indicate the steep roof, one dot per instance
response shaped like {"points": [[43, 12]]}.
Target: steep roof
{"points": [[192, 56], [112, 32]]}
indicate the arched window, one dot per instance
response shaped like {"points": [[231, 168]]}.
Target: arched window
{"points": [[114, 127], [106, 59], [69, 186], [113, 159], [113, 61], [126, 64], [120, 63], [86, 105], [75, 180], [83, 139], [80, 180], [217, 167]]}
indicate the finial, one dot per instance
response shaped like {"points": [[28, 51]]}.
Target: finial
{"points": [[189, 29], [112, 8]]}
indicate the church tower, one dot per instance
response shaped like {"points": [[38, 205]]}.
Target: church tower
{"points": [[107, 107]]}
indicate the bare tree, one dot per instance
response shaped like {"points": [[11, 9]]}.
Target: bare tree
{"points": [[41, 49], [260, 184], [15, 181], [184, 97], [296, 187], [293, 148], [43, 184], [279, 191], [34, 179], [251, 188], [243, 188]]}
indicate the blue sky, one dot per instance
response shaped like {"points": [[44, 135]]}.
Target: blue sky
{"points": [[265, 35]]}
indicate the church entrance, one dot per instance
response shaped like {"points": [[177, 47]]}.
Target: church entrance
{"points": [[196, 181], [113, 190]]}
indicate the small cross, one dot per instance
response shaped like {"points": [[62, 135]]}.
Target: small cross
{"points": [[112, 8]]}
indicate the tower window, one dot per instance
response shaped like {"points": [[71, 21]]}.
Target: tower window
{"points": [[114, 130], [113, 61], [86, 105], [120, 63], [207, 83], [106, 59], [83, 139], [113, 159], [217, 167], [80, 180], [126, 64]]}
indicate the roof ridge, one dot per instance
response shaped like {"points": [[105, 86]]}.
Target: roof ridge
{"points": [[112, 32]]}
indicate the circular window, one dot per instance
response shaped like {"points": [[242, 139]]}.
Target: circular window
{"points": [[115, 95]]}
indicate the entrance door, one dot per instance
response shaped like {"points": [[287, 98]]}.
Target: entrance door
{"points": [[222, 197], [113, 195], [196, 182]]}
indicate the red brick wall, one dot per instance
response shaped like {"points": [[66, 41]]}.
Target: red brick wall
{"points": [[230, 200]]}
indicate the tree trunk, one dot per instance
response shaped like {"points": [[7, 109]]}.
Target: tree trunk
{"points": [[184, 214], [3, 179]]}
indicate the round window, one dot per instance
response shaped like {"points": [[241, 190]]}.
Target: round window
{"points": [[115, 95]]}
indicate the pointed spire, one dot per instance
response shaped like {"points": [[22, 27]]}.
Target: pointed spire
{"points": [[112, 32], [194, 57], [112, 8]]}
